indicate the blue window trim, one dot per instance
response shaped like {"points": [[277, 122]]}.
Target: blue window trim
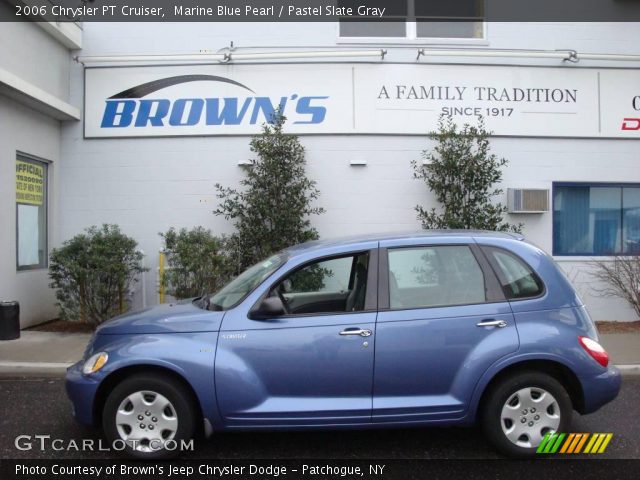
{"points": [[584, 184]]}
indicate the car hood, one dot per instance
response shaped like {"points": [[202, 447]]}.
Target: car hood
{"points": [[180, 317]]}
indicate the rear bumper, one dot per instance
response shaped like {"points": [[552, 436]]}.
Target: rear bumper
{"points": [[600, 389], [81, 390]]}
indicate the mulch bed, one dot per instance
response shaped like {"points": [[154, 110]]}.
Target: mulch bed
{"points": [[63, 326], [619, 327]]}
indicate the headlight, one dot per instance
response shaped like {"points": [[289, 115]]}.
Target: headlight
{"points": [[94, 363]]}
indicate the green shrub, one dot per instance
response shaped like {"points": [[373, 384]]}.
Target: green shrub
{"points": [[273, 208], [195, 262], [462, 173], [93, 272]]}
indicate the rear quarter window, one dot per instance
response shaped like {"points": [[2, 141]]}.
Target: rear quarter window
{"points": [[517, 279]]}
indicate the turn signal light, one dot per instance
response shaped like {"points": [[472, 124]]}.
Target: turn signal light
{"points": [[594, 349]]}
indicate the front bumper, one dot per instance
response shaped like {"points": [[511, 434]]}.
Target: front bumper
{"points": [[600, 389], [81, 390]]}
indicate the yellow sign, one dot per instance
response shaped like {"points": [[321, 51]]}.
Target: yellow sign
{"points": [[29, 183]]}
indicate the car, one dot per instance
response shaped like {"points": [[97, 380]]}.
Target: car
{"points": [[404, 330]]}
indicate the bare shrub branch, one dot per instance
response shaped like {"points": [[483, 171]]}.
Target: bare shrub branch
{"points": [[621, 279]]}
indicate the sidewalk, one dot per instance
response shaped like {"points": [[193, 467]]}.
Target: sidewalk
{"points": [[41, 352], [51, 353], [624, 350]]}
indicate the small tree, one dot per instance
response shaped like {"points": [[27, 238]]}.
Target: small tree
{"points": [[93, 272], [462, 172], [621, 279], [272, 210], [195, 260]]}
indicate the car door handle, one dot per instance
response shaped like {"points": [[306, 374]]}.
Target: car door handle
{"points": [[492, 323], [356, 331]]}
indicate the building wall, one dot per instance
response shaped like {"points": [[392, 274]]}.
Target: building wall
{"points": [[148, 185], [27, 131], [111, 38], [29, 52], [36, 59]]}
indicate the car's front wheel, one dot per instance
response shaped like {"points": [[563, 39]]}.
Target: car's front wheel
{"points": [[149, 415], [520, 409]]}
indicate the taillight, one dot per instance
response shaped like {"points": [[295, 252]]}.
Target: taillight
{"points": [[594, 349]]}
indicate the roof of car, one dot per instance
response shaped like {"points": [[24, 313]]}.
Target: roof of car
{"points": [[378, 237]]}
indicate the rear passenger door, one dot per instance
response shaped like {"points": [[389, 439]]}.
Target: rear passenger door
{"points": [[443, 320]]}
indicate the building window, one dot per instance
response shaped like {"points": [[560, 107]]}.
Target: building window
{"points": [[31, 213], [596, 219], [415, 20]]}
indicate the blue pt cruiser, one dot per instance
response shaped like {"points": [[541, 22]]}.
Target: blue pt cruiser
{"points": [[430, 328]]}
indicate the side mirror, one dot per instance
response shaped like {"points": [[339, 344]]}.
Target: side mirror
{"points": [[268, 308]]}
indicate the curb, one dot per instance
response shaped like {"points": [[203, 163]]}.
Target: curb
{"points": [[629, 369], [31, 368]]}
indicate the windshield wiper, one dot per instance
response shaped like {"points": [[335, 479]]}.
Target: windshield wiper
{"points": [[202, 301], [205, 304], [213, 306]]}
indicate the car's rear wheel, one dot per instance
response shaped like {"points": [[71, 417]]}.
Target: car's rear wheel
{"points": [[521, 409], [149, 415]]}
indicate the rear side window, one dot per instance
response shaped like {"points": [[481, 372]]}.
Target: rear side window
{"points": [[517, 279], [434, 276]]}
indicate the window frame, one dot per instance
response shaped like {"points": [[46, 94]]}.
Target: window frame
{"points": [[493, 289], [411, 38], [26, 157], [371, 293], [620, 185]]}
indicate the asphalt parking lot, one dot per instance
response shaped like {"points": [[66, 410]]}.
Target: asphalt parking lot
{"points": [[38, 406]]}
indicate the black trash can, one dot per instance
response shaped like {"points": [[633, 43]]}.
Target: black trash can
{"points": [[9, 320]]}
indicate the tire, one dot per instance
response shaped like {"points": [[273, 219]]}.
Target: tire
{"points": [[167, 410], [516, 398]]}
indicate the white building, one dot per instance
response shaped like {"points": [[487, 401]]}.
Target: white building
{"points": [[147, 160]]}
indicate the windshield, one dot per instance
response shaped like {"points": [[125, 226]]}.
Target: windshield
{"points": [[241, 286]]}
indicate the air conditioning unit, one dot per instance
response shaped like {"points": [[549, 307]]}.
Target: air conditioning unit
{"points": [[527, 200]]}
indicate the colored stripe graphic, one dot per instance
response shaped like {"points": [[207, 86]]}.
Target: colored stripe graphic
{"points": [[550, 441], [546, 443], [596, 445], [607, 439], [572, 443], [555, 447], [582, 441], [568, 443], [578, 438], [592, 440]]}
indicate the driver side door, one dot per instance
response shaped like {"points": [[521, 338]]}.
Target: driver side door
{"points": [[312, 365]]}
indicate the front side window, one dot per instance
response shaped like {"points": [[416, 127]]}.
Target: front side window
{"points": [[596, 219], [31, 213], [434, 276], [334, 285], [413, 20]]}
